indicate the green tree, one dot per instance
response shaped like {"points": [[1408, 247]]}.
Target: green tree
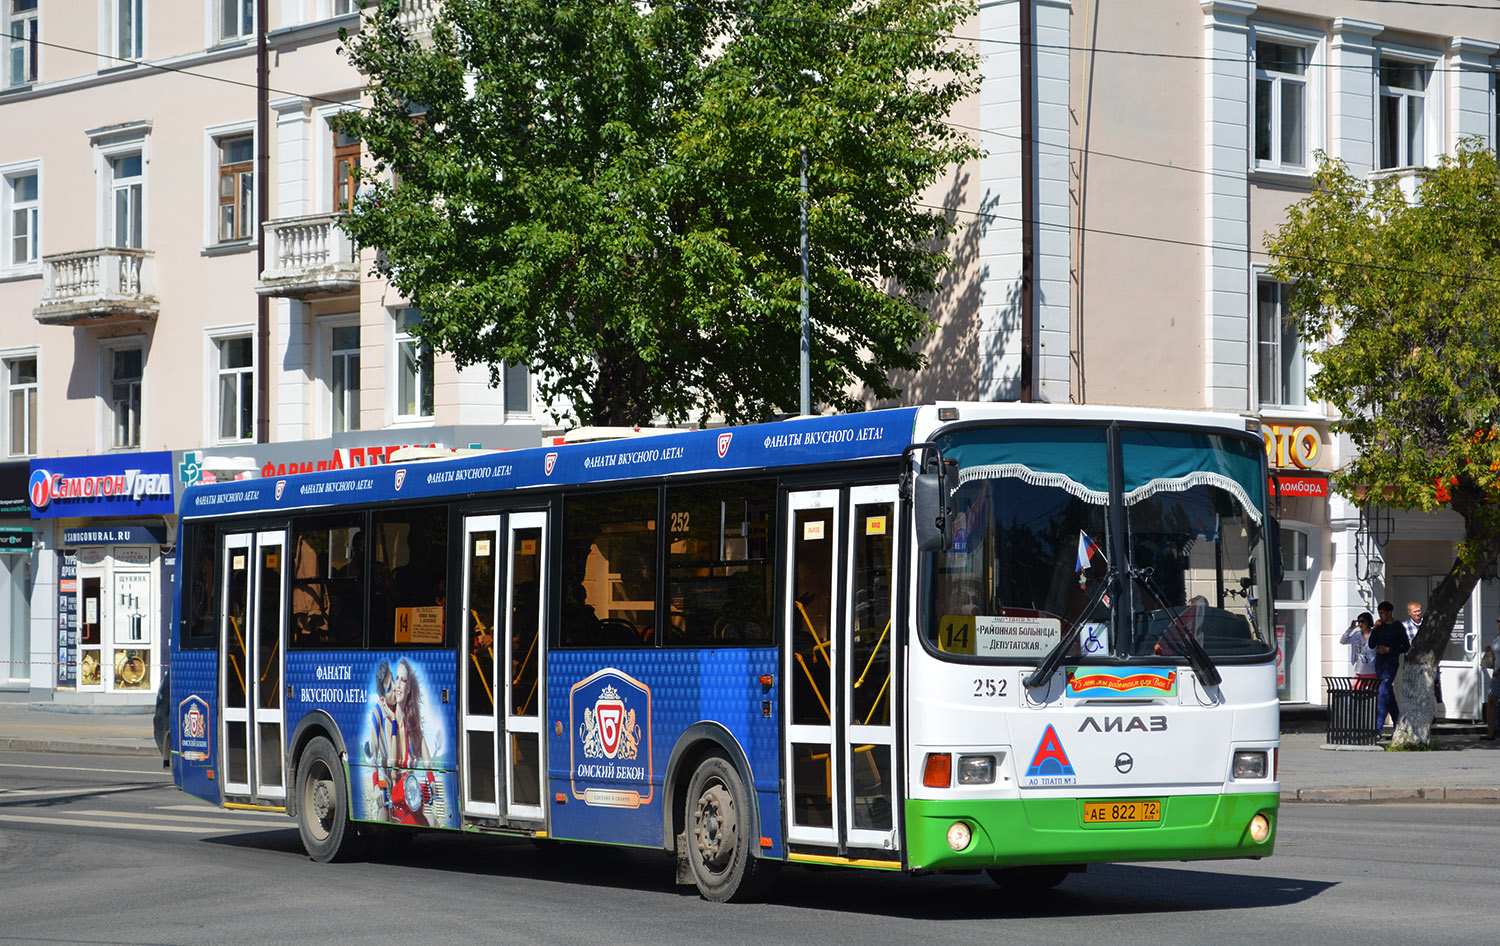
{"points": [[1397, 300], [607, 192]]}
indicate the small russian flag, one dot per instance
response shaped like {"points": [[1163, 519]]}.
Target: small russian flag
{"points": [[1087, 549]]}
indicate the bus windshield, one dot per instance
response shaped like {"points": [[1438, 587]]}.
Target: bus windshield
{"points": [[1034, 564]]}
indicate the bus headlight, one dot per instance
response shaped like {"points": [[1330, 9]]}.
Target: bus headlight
{"points": [[1250, 764], [959, 835], [976, 769]]}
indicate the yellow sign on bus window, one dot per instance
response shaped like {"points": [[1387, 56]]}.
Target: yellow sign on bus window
{"points": [[956, 634], [875, 525], [419, 625]]}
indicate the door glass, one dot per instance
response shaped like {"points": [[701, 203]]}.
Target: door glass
{"points": [[812, 602], [238, 602], [812, 776], [90, 671], [479, 622], [870, 661], [525, 770], [872, 792], [526, 599], [268, 666]]}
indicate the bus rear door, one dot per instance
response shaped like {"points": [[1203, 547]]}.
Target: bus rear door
{"points": [[251, 742]]}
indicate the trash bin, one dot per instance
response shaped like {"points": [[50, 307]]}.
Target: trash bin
{"points": [[1351, 711]]}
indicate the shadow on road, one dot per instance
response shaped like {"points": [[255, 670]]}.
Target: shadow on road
{"points": [[1107, 890]]}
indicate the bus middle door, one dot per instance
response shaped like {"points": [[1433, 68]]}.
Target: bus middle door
{"points": [[253, 747]]}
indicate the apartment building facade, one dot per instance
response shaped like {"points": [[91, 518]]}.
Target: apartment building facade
{"points": [[147, 346], [1138, 156]]}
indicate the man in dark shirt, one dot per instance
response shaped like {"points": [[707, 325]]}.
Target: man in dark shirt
{"points": [[1388, 641]]}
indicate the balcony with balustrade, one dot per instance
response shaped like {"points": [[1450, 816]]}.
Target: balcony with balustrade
{"points": [[101, 286], [308, 256]]}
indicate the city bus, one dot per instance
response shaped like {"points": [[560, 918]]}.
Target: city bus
{"points": [[959, 637]]}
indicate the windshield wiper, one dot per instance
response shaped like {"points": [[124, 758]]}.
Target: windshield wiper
{"points": [[1049, 663], [1181, 633]]}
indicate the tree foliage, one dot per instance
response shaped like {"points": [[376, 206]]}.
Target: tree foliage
{"points": [[607, 191], [1397, 299]]}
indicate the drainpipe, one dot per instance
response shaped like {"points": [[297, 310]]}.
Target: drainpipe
{"points": [[262, 213]]}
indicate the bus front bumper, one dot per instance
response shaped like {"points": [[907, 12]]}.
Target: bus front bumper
{"points": [[1013, 832]]}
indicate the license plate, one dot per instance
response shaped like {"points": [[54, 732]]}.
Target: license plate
{"points": [[1108, 812]]}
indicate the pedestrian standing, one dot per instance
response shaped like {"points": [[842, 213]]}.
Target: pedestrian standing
{"points": [[1413, 624], [1491, 664], [1361, 657], [1388, 641]]}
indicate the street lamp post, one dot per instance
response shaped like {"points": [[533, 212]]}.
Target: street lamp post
{"points": [[806, 315]]}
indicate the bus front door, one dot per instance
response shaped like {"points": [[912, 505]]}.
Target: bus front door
{"points": [[502, 730], [839, 685], [251, 673]]}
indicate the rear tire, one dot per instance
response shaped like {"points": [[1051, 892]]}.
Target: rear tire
{"points": [[323, 805], [719, 831], [1028, 879]]}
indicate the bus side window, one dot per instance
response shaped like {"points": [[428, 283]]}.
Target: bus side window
{"points": [[719, 567], [328, 563], [200, 598], [409, 577], [609, 570]]}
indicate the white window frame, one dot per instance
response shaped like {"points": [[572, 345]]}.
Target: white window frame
{"points": [[107, 349], [213, 339], [115, 48], [30, 45], [7, 358], [215, 26], [1258, 345], [399, 337], [326, 353], [1314, 85], [212, 137], [1433, 105], [122, 143], [9, 175], [322, 194], [1312, 629]]}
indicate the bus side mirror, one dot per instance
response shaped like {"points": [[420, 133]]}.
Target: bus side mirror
{"points": [[1278, 570], [930, 511]]}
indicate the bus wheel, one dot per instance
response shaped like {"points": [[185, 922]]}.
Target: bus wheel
{"points": [[719, 825], [323, 805], [1028, 879]]}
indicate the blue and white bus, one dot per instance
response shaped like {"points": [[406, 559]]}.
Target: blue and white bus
{"points": [[1018, 638]]}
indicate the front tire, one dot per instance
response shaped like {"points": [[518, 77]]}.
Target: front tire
{"points": [[720, 828], [323, 805]]}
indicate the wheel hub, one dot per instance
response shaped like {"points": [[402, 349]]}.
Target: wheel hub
{"points": [[717, 829]]}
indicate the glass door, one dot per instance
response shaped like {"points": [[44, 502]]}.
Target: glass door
{"points": [[482, 556], [812, 652], [251, 673], [868, 681], [526, 538]]}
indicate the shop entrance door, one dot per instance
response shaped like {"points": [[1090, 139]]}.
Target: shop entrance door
{"points": [[840, 685], [250, 675]]}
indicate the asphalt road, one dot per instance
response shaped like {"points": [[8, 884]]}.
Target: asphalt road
{"points": [[104, 850]]}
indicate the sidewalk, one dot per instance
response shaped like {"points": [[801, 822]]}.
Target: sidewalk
{"points": [[1464, 769]]}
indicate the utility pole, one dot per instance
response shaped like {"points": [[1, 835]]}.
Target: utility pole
{"points": [[806, 316]]}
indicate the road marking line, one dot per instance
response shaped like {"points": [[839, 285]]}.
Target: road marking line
{"points": [[203, 819], [80, 823], [81, 790], [80, 768], [204, 808]]}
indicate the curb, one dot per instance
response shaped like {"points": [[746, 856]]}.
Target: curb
{"points": [[76, 748], [1456, 794]]}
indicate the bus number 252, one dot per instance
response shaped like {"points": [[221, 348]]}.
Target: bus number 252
{"points": [[989, 688]]}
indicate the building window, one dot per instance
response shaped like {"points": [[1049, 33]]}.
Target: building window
{"points": [[413, 366], [21, 400], [236, 19], [236, 187], [22, 43], [345, 169], [1280, 104], [1403, 90], [343, 379], [129, 33], [125, 204], [1282, 361], [21, 215], [517, 389], [236, 375], [125, 366]]}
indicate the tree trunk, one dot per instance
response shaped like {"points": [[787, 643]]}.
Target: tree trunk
{"points": [[1416, 702]]}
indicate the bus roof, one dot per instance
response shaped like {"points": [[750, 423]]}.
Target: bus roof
{"points": [[801, 441]]}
